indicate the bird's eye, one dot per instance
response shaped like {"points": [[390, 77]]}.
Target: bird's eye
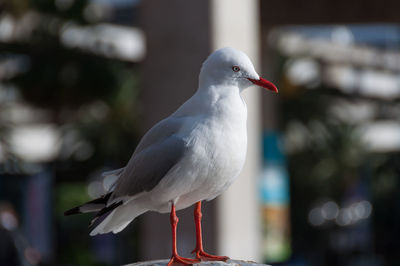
{"points": [[236, 68]]}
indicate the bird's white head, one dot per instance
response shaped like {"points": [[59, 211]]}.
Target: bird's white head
{"points": [[231, 67]]}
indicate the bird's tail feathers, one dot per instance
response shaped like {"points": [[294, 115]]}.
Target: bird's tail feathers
{"points": [[103, 215], [91, 206], [99, 203], [115, 217]]}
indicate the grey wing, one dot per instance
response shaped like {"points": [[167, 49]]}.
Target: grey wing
{"points": [[147, 167], [160, 131]]}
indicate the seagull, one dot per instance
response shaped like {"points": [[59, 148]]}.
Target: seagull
{"points": [[195, 154]]}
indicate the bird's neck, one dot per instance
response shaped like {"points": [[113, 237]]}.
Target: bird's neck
{"points": [[214, 99], [221, 99], [214, 93]]}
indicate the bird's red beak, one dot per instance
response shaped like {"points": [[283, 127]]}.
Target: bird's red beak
{"points": [[265, 84]]}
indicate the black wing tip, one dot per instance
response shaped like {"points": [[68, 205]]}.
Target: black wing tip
{"points": [[102, 214], [108, 208], [72, 211], [103, 199]]}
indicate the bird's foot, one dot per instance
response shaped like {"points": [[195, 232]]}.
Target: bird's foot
{"points": [[176, 259], [204, 256]]}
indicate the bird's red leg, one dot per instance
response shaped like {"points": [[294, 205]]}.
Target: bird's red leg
{"points": [[175, 257], [200, 253]]}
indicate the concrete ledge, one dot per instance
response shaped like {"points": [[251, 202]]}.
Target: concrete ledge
{"points": [[209, 263]]}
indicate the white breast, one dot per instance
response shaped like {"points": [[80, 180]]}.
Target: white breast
{"points": [[217, 143], [218, 152]]}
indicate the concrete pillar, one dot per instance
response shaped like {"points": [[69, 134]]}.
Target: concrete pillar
{"points": [[236, 23], [178, 41]]}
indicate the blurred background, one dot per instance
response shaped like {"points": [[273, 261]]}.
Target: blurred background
{"points": [[82, 81]]}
